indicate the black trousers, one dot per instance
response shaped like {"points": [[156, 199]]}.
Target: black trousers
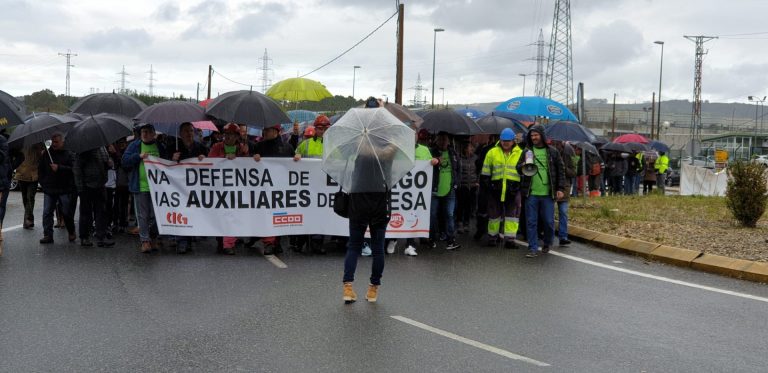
{"points": [[92, 208]]}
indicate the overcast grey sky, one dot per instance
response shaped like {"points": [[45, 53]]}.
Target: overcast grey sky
{"points": [[485, 46]]}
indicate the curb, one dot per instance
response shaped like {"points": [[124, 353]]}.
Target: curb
{"points": [[737, 268]]}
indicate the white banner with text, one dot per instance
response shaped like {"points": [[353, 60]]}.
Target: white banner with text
{"points": [[273, 197]]}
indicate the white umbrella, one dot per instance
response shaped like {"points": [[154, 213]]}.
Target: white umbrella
{"points": [[368, 150]]}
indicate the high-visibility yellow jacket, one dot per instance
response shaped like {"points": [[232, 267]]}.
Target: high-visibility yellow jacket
{"points": [[502, 167], [311, 148], [662, 163]]}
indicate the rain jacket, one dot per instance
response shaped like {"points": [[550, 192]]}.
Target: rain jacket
{"points": [[274, 148], [218, 151], [662, 163], [131, 160], [27, 171], [193, 151], [56, 182], [502, 170], [554, 166], [90, 169], [311, 148]]}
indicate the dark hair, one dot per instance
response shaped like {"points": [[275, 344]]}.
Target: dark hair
{"points": [[371, 102]]}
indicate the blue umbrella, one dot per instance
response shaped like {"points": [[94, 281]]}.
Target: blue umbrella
{"points": [[537, 106], [473, 114], [301, 115], [659, 146], [568, 131]]}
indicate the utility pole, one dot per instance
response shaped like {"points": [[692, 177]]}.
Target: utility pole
{"points": [[696, 110], [68, 55], [265, 69], [151, 81], [399, 63], [540, 61], [210, 73], [653, 111], [123, 74], [197, 97], [559, 78]]}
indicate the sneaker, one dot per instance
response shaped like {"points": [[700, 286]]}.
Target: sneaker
{"points": [[443, 237], [373, 293], [105, 243], [532, 254], [349, 293], [86, 242], [565, 242], [510, 244], [391, 247], [366, 250], [453, 245], [46, 240], [410, 251]]}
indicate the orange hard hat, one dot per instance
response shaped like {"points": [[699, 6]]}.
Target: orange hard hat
{"points": [[322, 121], [309, 131]]}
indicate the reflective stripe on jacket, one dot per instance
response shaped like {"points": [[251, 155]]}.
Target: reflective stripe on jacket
{"points": [[501, 166]]}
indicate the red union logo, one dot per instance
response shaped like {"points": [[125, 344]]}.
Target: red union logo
{"points": [[287, 219], [176, 218], [396, 220]]}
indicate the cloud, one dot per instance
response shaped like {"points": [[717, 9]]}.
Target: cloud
{"points": [[609, 47], [118, 39], [167, 12], [255, 24]]}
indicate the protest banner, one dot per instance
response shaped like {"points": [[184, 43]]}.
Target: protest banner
{"points": [[273, 197]]}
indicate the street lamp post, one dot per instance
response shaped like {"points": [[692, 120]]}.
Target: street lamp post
{"points": [[434, 56], [443, 91], [661, 67], [523, 75], [354, 73]]}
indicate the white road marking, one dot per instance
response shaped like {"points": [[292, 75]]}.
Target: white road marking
{"points": [[660, 278], [13, 228], [276, 261], [471, 342], [617, 262]]}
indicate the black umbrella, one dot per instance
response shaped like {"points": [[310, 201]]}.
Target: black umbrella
{"points": [[96, 131], [616, 147], [112, 103], [448, 120], [568, 131], [247, 107], [586, 147], [12, 111], [600, 140], [171, 112], [659, 146], [493, 124], [40, 128], [636, 147]]}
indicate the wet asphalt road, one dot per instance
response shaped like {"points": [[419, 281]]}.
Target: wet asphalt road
{"points": [[64, 308]]}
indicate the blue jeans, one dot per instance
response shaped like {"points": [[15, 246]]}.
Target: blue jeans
{"points": [[49, 209], [536, 206], [145, 216], [355, 246], [562, 213], [444, 206]]}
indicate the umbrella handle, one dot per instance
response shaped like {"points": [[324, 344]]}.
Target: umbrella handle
{"points": [[49, 154]]}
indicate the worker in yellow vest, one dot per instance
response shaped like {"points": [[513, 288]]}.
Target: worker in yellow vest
{"points": [[499, 173], [661, 165], [313, 146]]}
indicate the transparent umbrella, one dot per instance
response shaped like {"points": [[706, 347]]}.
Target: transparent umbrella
{"points": [[368, 150]]}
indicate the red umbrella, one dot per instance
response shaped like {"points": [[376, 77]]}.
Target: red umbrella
{"points": [[631, 137], [205, 103], [205, 125]]}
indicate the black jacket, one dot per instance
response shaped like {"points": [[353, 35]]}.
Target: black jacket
{"points": [[90, 169], [455, 168], [193, 151], [61, 181], [274, 148], [554, 165]]}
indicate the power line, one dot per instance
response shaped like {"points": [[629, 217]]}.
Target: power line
{"points": [[352, 47], [221, 75]]}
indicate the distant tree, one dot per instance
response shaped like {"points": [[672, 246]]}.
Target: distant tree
{"points": [[330, 104], [45, 100]]}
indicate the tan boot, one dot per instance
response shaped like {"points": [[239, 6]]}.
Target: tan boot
{"points": [[349, 293], [373, 293]]}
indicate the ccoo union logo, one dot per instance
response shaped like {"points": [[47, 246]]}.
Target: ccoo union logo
{"points": [[284, 218], [176, 218]]}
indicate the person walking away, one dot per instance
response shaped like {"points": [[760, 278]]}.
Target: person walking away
{"points": [[186, 148], [272, 146], [567, 154], [661, 165], [616, 169], [368, 210], [54, 171], [90, 173], [445, 181], [26, 175], [466, 195], [541, 189], [502, 180], [133, 160], [422, 153], [231, 148]]}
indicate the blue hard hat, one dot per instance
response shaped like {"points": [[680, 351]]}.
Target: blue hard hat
{"points": [[507, 135]]}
